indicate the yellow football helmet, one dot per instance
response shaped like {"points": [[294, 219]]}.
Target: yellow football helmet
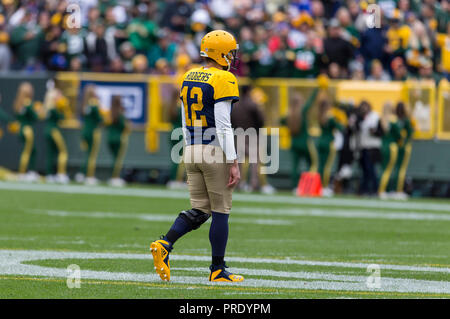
{"points": [[220, 46]]}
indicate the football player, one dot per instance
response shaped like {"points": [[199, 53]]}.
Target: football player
{"points": [[207, 95]]}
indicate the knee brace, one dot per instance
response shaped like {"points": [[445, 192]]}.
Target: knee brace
{"points": [[194, 217]]}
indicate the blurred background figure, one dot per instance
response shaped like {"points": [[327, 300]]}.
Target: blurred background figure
{"points": [[302, 147], [90, 135], [389, 131], [248, 116], [399, 70], [406, 128], [118, 131], [326, 144], [27, 116], [377, 73], [57, 107]]}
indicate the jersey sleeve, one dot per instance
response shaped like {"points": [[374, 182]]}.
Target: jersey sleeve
{"points": [[226, 88]]}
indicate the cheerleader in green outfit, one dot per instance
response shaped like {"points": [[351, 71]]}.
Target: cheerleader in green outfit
{"points": [[389, 130], [57, 106], [118, 132], [326, 147], [404, 150], [302, 145], [90, 136], [27, 116]]}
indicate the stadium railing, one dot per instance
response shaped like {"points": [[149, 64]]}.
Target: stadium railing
{"points": [[273, 94]]}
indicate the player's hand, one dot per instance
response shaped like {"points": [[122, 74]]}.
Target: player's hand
{"points": [[235, 174], [14, 127], [323, 81]]}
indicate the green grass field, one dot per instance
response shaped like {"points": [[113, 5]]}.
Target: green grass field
{"points": [[285, 247]]}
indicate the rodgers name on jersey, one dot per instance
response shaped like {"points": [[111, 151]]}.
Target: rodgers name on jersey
{"points": [[202, 88]]}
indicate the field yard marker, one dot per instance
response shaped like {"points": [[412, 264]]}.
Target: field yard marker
{"points": [[256, 198], [11, 263]]}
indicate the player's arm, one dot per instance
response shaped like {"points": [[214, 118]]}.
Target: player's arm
{"points": [[225, 136], [183, 124], [310, 102], [222, 115], [225, 94]]}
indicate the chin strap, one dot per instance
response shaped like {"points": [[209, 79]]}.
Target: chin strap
{"points": [[228, 62]]}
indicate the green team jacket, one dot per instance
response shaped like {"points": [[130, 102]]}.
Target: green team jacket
{"points": [[116, 129], [26, 117], [406, 131], [53, 117], [92, 119], [391, 136], [327, 136]]}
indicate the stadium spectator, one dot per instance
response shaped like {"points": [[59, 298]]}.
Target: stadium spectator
{"points": [[400, 73], [5, 52], [127, 52], [336, 49], [95, 48], [377, 73], [443, 41], [141, 29], [398, 35], [164, 48], [36, 36], [26, 40], [140, 64], [373, 44]]}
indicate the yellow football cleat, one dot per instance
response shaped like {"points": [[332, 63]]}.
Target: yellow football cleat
{"points": [[160, 250], [219, 274]]}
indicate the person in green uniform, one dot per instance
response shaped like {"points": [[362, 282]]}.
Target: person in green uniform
{"points": [[302, 146], [26, 40], [118, 131], [404, 149], [306, 63], [57, 155], [389, 131], [326, 147], [90, 135], [27, 116], [12, 127]]}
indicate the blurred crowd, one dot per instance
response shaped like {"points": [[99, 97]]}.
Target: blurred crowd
{"points": [[278, 38]]}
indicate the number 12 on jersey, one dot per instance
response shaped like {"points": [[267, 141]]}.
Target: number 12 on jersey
{"points": [[192, 100]]}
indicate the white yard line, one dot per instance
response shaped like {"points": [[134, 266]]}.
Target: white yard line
{"points": [[154, 217], [340, 213], [281, 199], [263, 213], [11, 264]]}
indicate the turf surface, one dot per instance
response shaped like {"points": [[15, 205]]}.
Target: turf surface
{"points": [[286, 247]]}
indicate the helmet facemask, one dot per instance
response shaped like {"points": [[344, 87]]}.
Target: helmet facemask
{"points": [[232, 59]]}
